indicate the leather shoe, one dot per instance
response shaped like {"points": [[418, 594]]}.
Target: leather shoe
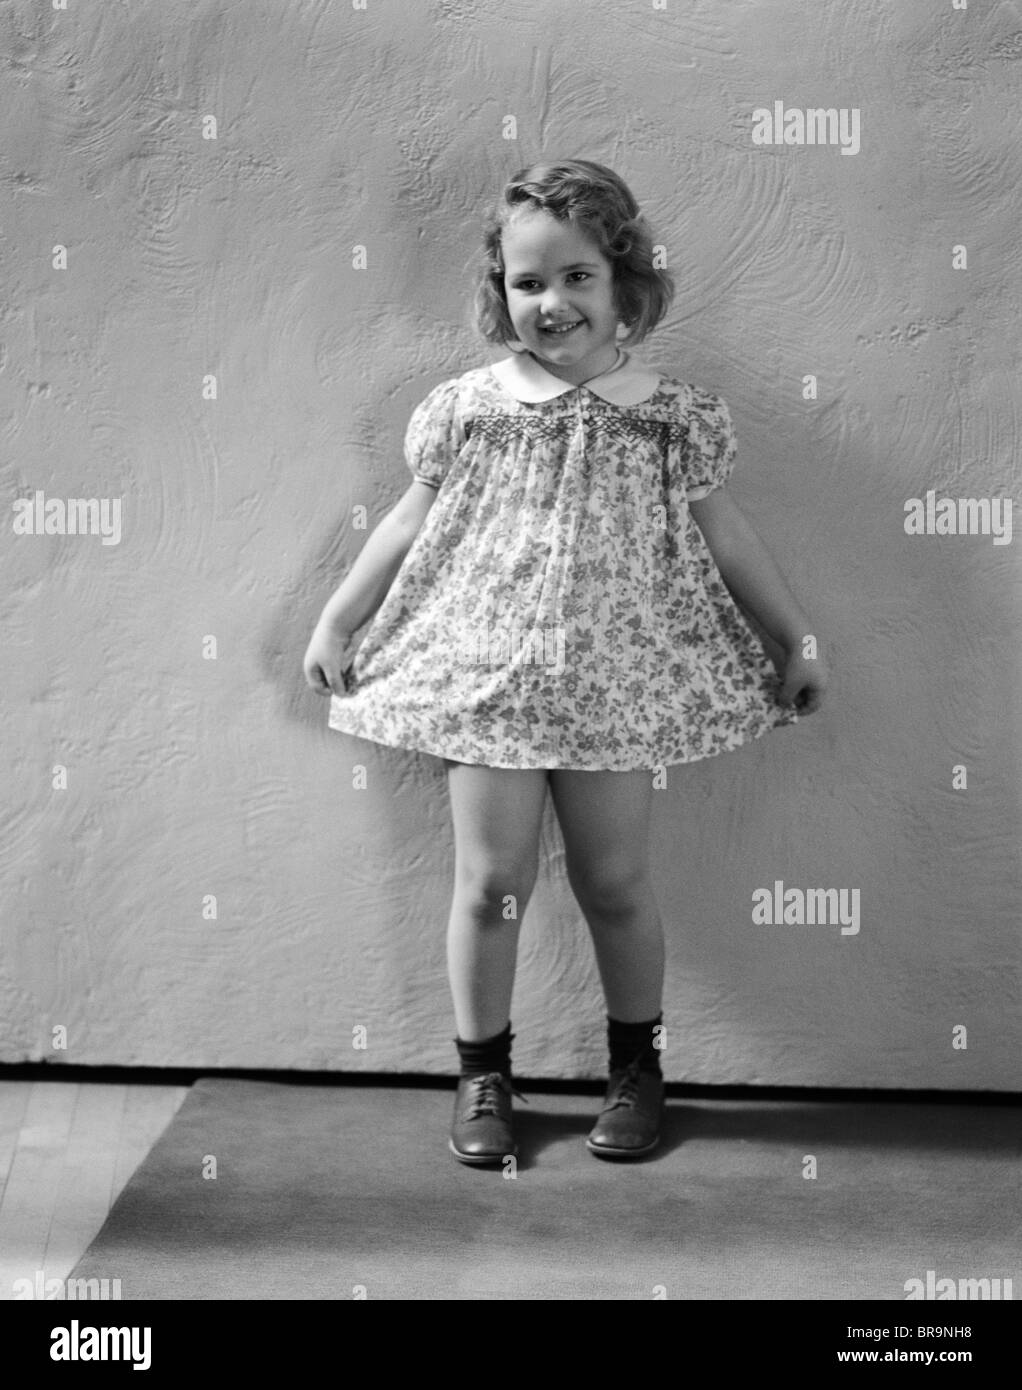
{"points": [[481, 1131], [629, 1123]]}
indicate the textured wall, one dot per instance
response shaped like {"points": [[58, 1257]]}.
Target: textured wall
{"points": [[188, 776]]}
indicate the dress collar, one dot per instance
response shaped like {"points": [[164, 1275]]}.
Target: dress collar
{"points": [[627, 383]]}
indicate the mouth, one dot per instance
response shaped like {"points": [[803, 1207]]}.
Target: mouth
{"points": [[561, 330]]}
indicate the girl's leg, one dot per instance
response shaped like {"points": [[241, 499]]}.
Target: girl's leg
{"points": [[604, 818], [497, 813]]}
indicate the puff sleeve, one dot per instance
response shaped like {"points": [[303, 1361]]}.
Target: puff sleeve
{"points": [[434, 434], [711, 445]]}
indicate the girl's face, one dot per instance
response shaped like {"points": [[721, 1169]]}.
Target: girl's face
{"points": [[560, 296]]}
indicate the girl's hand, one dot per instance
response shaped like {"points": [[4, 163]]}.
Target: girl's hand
{"points": [[328, 659], [803, 682]]}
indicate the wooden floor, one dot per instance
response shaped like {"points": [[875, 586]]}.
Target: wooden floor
{"points": [[66, 1151]]}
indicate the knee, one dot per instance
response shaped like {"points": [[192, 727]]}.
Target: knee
{"points": [[611, 891], [496, 891]]}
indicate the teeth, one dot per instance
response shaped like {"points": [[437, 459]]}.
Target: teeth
{"points": [[561, 327]]}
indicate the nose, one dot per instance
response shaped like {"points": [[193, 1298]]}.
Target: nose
{"points": [[550, 302]]}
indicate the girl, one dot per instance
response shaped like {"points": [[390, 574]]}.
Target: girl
{"points": [[555, 603]]}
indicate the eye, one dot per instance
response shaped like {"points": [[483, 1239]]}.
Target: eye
{"points": [[524, 284], [583, 273]]}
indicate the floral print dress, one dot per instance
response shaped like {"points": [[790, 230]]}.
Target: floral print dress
{"points": [[559, 607]]}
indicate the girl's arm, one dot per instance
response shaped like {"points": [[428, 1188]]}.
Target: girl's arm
{"points": [[365, 586], [755, 582], [363, 590]]}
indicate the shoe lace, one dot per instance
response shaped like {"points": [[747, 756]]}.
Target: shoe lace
{"points": [[487, 1091], [486, 1094], [627, 1092]]}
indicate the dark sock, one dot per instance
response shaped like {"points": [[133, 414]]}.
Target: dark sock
{"points": [[491, 1054], [630, 1042]]}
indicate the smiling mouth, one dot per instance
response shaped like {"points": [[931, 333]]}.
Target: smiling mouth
{"points": [[558, 330]]}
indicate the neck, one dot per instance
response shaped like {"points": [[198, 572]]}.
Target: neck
{"points": [[574, 376]]}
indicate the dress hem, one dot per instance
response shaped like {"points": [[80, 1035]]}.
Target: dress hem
{"points": [[753, 733]]}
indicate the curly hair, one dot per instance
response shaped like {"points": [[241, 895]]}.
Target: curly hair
{"points": [[596, 201]]}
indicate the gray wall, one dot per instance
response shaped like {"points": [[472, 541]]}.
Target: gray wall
{"points": [[188, 776]]}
